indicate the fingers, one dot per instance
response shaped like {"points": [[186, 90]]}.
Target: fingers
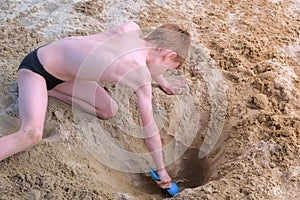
{"points": [[183, 81], [165, 179], [175, 87], [166, 90], [180, 83], [178, 91], [164, 185]]}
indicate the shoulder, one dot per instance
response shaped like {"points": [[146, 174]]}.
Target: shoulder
{"points": [[129, 26], [126, 27]]}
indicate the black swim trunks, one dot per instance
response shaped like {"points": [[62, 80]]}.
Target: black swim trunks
{"points": [[32, 63]]}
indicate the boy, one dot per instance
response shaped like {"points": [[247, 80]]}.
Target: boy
{"points": [[71, 68]]}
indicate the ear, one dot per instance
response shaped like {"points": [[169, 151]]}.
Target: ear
{"points": [[169, 54]]}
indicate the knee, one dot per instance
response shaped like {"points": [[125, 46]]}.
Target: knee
{"points": [[32, 134], [109, 112]]}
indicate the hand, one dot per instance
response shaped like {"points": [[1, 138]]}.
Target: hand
{"points": [[174, 87], [165, 180]]}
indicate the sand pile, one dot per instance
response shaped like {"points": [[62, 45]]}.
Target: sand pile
{"points": [[233, 134]]}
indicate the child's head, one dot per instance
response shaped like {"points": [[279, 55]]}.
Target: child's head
{"points": [[171, 36]]}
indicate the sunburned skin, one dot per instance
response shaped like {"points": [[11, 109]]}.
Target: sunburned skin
{"points": [[108, 56]]}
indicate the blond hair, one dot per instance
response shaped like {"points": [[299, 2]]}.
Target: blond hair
{"points": [[171, 36]]}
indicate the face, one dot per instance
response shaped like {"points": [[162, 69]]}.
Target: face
{"points": [[171, 63], [165, 62]]}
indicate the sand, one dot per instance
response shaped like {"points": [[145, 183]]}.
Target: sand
{"points": [[233, 134]]}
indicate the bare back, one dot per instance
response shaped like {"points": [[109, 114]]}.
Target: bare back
{"points": [[118, 56]]}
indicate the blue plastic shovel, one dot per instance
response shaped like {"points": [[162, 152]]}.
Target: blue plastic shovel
{"points": [[171, 191]]}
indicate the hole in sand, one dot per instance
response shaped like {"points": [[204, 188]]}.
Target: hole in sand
{"points": [[192, 170], [188, 172]]}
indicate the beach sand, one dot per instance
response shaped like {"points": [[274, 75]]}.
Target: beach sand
{"points": [[233, 134]]}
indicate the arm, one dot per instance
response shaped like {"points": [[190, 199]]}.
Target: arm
{"points": [[151, 133], [169, 87]]}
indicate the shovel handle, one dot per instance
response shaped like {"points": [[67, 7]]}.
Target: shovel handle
{"points": [[154, 175]]}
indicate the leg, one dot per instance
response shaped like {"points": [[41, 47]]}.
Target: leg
{"points": [[32, 108], [88, 96]]}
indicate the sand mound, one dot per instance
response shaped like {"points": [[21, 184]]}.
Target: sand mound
{"points": [[234, 134]]}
